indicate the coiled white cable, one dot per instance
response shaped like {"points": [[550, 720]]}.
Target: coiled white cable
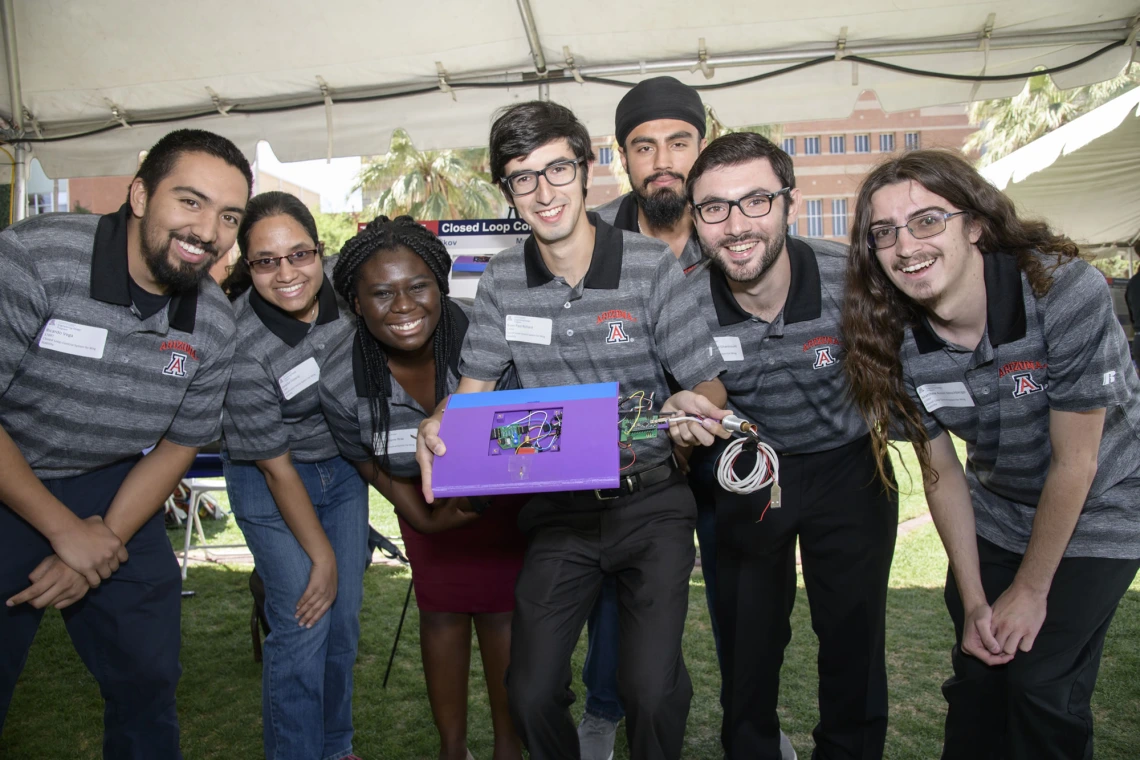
{"points": [[765, 471]]}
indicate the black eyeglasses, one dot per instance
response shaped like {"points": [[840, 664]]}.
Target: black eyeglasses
{"points": [[753, 206], [557, 174], [923, 226], [296, 258]]}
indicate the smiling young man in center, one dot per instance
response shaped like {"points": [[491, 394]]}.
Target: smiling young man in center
{"points": [[582, 302]]}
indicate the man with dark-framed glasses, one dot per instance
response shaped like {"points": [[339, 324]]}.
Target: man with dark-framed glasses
{"points": [[583, 302], [773, 303]]}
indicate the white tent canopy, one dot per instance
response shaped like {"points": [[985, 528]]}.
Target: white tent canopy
{"points": [[442, 67], [1084, 177]]}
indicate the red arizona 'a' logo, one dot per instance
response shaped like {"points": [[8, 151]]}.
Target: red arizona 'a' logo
{"points": [[1024, 384], [823, 357], [176, 367], [616, 332]]}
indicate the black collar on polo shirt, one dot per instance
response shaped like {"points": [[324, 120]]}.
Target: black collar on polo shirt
{"points": [[110, 273], [804, 301], [360, 379], [1005, 306], [605, 262], [287, 327], [626, 217]]}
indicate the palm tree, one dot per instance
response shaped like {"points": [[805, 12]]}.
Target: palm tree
{"points": [[1008, 124], [430, 184]]}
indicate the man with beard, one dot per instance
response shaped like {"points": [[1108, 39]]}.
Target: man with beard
{"points": [[773, 304], [115, 341], [660, 129]]}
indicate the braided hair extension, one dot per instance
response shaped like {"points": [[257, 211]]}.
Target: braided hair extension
{"points": [[384, 234]]}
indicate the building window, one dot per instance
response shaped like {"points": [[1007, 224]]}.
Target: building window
{"points": [[811, 146], [839, 217], [605, 156], [815, 218], [838, 144], [912, 141], [789, 145], [862, 143], [794, 229], [887, 143], [39, 203]]}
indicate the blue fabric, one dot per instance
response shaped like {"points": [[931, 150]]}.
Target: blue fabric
{"points": [[306, 673], [599, 672], [127, 631]]}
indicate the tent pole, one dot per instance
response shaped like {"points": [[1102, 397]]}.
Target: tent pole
{"points": [[19, 185], [532, 37]]}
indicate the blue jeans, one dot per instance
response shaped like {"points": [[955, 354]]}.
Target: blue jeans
{"points": [[599, 672], [306, 685]]}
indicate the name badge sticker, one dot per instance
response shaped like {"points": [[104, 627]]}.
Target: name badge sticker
{"points": [[937, 395], [529, 329], [75, 339], [401, 441], [730, 349], [299, 378]]}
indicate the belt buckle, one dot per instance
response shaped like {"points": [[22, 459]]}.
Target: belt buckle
{"points": [[629, 482]]}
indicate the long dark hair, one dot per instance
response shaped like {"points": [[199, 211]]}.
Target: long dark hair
{"points": [[384, 234], [263, 206], [876, 314]]}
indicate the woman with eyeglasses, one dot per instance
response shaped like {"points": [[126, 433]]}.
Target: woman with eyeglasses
{"points": [[303, 509]]}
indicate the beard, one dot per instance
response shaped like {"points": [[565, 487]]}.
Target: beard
{"points": [[171, 272], [773, 245], [663, 208]]}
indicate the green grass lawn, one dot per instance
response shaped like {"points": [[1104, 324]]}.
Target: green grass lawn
{"points": [[56, 711]]}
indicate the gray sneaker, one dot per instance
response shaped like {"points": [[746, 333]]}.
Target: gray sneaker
{"points": [[787, 751], [596, 737]]}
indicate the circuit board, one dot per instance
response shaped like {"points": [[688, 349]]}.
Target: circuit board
{"points": [[632, 429], [526, 431]]}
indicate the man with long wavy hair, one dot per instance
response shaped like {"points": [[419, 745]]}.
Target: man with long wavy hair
{"points": [[961, 317]]}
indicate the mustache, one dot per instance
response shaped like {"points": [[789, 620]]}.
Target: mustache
{"points": [[197, 242], [659, 175]]}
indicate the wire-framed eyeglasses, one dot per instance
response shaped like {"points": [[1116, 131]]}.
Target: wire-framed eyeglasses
{"points": [[273, 263], [557, 174], [753, 206], [922, 226]]}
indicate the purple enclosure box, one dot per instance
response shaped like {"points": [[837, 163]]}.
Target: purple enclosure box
{"points": [[583, 456]]}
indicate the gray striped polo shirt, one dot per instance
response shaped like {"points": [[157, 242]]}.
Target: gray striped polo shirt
{"points": [[787, 375], [621, 212], [344, 399], [629, 320], [273, 405], [84, 382], [1065, 351]]}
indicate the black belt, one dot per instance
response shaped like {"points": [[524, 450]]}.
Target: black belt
{"points": [[631, 484]]}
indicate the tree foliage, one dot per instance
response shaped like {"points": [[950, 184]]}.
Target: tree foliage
{"points": [[1011, 123], [335, 230], [430, 184]]}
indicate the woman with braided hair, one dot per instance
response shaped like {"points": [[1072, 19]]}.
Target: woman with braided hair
{"points": [[303, 508], [377, 386]]}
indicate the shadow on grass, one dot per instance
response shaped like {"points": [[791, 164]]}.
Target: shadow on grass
{"points": [[57, 711]]}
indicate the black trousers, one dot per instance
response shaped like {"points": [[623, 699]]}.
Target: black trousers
{"points": [[645, 541], [127, 631], [1036, 707], [846, 522]]}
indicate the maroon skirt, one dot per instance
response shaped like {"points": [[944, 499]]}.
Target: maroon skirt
{"points": [[470, 570]]}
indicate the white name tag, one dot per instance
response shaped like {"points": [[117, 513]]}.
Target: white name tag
{"points": [[71, 338], [399, 442], [529, 329], [299, 378], [937, 395], [730, 349]]}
